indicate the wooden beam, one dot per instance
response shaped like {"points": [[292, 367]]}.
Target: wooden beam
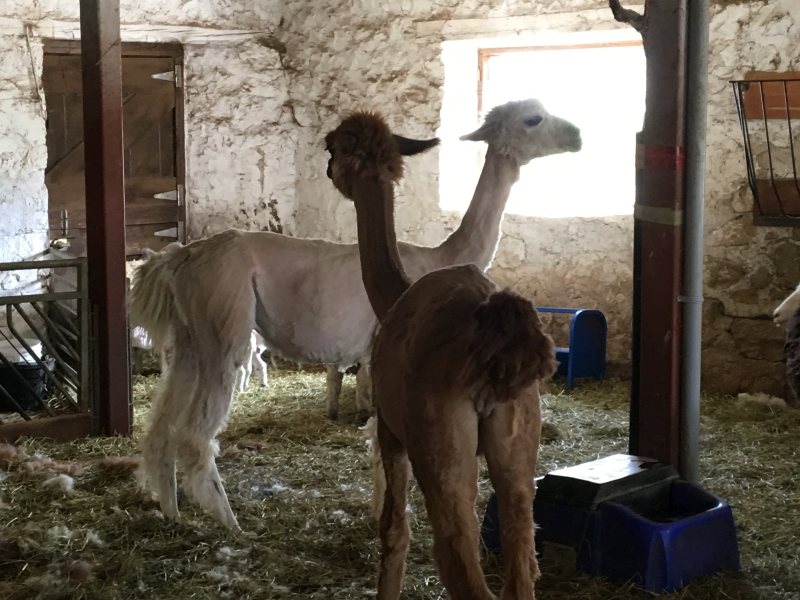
{"points": [[62, 428], [658, 233], [105, 211]]}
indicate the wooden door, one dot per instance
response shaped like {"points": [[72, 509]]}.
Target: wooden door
{"points": [[152, 139]]}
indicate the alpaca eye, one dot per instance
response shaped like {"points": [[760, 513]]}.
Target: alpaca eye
{"points": [[533, 121]]}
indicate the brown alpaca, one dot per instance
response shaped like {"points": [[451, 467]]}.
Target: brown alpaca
{"points": [[455, 369]]}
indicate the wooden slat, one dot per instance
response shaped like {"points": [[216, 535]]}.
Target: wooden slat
{"points": [[777, 198], [67, 47], [62, 428], [777, 96], [144, 212]]}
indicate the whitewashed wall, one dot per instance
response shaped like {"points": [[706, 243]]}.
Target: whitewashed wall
{"points": [[350, 55], [367, 54], [748, 269], [267, 80], [23, 156], [237, 125]]}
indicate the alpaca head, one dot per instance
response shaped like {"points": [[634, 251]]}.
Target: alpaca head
{"points": [[363, 146], [524, 130]]}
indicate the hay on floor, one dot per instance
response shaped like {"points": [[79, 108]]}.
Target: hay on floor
{"points": [[300, 487]]}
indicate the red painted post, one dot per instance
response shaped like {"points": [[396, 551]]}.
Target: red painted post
{"points": [[105, 211], [658, 233]]}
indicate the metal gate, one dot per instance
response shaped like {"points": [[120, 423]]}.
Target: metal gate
{"points": [[45, 387]]}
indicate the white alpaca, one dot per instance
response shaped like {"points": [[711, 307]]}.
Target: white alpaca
{"points": [[787, 308], [304, 296], [257, 347]]}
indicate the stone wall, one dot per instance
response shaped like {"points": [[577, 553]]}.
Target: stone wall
{"points": [[387, 56], [368, 54], [266, 81], [236, 122], [748, 269], [239, 172], [23, 156]]}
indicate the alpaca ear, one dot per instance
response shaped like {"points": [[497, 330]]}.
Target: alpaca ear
{"points": [[408, 147], [482, 134]]}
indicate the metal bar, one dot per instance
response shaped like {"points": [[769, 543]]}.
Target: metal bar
{"points": [[86, 397], [50, 327], [25, 383], [105, 209], [27, 265], [748, 149], [692, 299], [43, 339], [70, 334], [20, 411], [46, 297], [791, 136], [769, 149], [69, 311]]}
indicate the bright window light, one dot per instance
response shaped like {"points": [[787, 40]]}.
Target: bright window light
{"points": [[599, 86]]}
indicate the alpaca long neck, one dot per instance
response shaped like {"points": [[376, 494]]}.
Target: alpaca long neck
{"points": [[475, 240], [381, 269]]}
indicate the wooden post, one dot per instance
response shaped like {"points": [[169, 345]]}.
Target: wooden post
{"points": [[658, 232], [105, 211]]}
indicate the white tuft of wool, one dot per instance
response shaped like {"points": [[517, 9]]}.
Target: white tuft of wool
{"points": [[60, 532], [62, 483], [370, 429], [341, 516], [226, 553], [761, 398], [94, 539]]}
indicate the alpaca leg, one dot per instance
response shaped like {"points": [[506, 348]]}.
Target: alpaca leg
{"points": [[510, 440], [378, 478], [158, 441], [334, 389], [198, 448], [158, 465], [363, 392], [395, 533], [243, 377], [202, 482], [446, 468], [262, 369]]}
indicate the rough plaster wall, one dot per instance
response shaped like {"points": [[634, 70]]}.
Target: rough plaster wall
{"points": [[219, 14], [239, 172], [369, 55], [23, 197], [237, 130], [748, 269]]}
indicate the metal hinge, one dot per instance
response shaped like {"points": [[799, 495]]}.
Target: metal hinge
{"points": [[176, 76], [170, 232], [175, 195]]}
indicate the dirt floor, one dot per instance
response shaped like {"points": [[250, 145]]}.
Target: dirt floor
{"points": [[300, 487]]}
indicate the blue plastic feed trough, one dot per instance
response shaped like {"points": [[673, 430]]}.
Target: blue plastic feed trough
{"points": [[585, 356], [629, 518]]}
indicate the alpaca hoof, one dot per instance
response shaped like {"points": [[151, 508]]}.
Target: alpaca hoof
{"points": [[333, 415]]}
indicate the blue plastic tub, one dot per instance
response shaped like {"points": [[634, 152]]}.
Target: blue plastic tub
{"points": [[647, 527]]}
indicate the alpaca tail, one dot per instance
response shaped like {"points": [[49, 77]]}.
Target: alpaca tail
{"points": [[510, 351], [152, 299]]}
